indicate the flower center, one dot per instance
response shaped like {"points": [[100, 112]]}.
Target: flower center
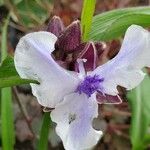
{"points": [[89, 85]]}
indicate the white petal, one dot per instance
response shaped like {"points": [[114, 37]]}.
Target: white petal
{"points": [[125, 68], [74, 116], [33, 60]]}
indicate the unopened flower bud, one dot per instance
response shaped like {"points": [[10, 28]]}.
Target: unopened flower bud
{"points": [[55, 26], [70, 38]]}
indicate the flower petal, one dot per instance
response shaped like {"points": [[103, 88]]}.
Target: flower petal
{"points": [[125, 68], [33, 60], [74, 116]]}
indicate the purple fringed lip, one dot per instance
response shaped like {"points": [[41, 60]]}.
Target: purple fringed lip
{"points": [[89, 85]]}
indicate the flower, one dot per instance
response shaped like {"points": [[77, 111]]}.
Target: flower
{"points": [[73, 94]]}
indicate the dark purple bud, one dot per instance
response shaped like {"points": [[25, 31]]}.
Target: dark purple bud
{"points": [[79, 48], [55, 26], [70, 38], [89, 52], [108, 99]]}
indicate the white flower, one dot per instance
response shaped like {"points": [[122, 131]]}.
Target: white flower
{"points": [[73, 95]]}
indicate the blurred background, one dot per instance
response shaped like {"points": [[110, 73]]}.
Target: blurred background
{"points": [[34, 15]]}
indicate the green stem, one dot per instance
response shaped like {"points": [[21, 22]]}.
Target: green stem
{"points": [[43, 141], [86, 18], [8, 136]]}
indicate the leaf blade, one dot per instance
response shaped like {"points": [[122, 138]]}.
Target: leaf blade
{"points": [[43, 141], [9, 75], [113, 24], [140, 106], [8, 133], [86, 17]]}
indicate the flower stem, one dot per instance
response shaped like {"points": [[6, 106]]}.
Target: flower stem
{"points": [[86, 18]]}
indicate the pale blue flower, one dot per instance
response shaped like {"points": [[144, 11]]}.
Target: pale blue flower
{"points": [[73, 95]]}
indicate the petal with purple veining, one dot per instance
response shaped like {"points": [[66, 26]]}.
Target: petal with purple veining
{"points": [[74, 116], [33, 60], [125, 68]]}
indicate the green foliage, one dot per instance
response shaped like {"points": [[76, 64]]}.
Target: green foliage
{"points": [[4, 40], [113, 24], [29, 13], [43, 141], [86, 17], [7, 125], [9, 75], [1, 2], [139, 100]]}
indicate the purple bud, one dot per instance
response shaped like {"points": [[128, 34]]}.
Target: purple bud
{"points": [[105, 98], [70, 38], [89, 52], [55, 26], [79, 49]]}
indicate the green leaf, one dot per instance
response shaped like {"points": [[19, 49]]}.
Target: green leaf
{"points": [[7, 126], [86, 17], [1, 2], [4, 39], [147, 140], [139, 100], [8, 135], [113, 24], [9, 75], [43, 141], [31, 13]]}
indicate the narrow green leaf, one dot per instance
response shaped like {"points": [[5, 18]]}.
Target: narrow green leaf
{"points": [[43, 141], [7, 126], [147, 140], [86, 17], [8, 135], [113, 24], [4, 40], [139, 102], [31, 13], [9, 75]]}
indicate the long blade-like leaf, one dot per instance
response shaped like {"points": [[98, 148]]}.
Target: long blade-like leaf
{"points": [[113, 24], [139, 100], [9, 75], [86, 17], [8, 136], [43, 141]]}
